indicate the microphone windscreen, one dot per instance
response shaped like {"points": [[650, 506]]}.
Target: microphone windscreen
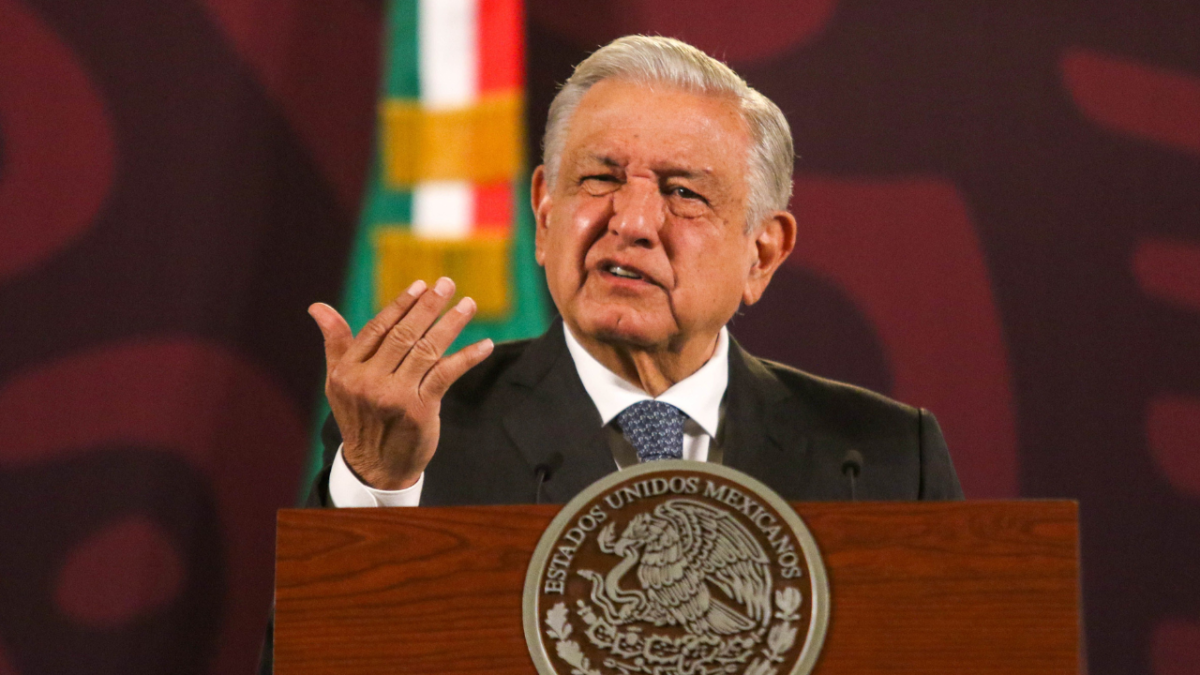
{"points": [[548, 466], [853, 461]]}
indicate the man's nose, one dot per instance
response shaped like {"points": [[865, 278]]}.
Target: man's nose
{"points": [[638, 213]]}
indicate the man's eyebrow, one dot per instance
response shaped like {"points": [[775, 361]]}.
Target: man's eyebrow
{"points": [[605, 160], [677, 172], [664, 172]]}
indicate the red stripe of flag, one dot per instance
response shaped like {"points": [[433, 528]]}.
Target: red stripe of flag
{"points": [[493, 207], [501, 46]]}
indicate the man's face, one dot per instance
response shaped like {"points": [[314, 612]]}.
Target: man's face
{"points": [[643, 235]]}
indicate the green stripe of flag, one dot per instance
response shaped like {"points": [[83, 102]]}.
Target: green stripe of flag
{"points": [[402, 73]]}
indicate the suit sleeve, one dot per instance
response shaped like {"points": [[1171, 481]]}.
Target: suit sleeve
{"points": [[939, 481], [331, 439]]}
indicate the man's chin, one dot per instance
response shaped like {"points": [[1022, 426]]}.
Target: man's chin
{"points": [[624, 331], [634, 340]]}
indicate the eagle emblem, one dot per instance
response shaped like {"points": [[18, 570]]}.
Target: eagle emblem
{"points": [[696, 567], [676, 568]]}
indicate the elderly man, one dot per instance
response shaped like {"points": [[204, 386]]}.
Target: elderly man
{"points": [[660, 209]]}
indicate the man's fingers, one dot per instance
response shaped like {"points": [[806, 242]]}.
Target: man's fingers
{"points": [[448, 370], [372, 334], [334, 329], [410, 331], [429, 348]]}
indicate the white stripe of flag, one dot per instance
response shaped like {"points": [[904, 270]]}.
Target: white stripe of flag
{"points": [[448, 53], [449, 71], [443, 209]]}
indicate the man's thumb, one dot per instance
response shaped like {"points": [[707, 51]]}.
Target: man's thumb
{"points": [[335, 330]]}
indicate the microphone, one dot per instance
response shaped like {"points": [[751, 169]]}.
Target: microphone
{"points": [[544, 471], [851, 467]]}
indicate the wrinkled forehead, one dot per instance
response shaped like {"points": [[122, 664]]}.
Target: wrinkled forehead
{"points": [[627, 122]]}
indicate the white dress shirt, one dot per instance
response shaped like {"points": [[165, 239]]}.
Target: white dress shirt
{"points": [[699, 396]]}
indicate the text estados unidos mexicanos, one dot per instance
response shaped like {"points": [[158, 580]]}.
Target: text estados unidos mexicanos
{"points": [[767, 523]]}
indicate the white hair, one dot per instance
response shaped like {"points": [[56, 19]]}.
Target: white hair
{"points": [[662, 60]]}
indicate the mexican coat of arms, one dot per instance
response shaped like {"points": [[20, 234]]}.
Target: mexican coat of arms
{"points": [[676, 568]]}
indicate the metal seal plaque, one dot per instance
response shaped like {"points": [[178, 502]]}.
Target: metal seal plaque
{"points": [[676, 568]]}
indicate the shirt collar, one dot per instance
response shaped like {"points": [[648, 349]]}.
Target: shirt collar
{"points": [[698, 395]]}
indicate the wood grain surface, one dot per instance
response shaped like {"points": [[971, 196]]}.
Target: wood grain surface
{"points": [[966, 587]]}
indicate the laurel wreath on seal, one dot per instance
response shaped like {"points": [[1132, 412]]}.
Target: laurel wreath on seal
{"points": [[782, 635], [781, 638], [568, 650]]}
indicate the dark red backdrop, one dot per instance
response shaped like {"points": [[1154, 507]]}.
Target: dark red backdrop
{"points": [[1000, 220]]}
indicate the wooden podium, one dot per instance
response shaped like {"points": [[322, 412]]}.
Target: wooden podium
{"points": [[958, 587]]}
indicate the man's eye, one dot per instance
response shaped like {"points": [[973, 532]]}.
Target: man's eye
{"points": [[680, 191], [599, 184]]}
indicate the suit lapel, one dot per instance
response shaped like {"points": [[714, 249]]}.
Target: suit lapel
{"points": [[556, 423], [766, 431]]}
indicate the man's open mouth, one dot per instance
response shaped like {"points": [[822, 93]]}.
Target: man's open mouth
{"points": [[623, 272]]}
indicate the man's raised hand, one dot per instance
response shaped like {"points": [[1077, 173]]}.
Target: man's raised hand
{"points": [[385, 385]]}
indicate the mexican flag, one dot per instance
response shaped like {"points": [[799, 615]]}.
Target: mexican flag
{"points": [[448, 191]]}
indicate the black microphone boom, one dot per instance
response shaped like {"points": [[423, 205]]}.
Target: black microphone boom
{"points": [[544, 471], [851, 467]]}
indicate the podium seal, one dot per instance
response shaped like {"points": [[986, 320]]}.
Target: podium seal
{"points": [[676, 567]]}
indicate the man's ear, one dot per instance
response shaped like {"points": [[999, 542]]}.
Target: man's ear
{"points": [[773, 243], [539, 194]]}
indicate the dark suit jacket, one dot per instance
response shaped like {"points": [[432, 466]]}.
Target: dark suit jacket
{"points": [[525, 406]]}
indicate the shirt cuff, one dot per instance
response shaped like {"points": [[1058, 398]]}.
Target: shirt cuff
{"points": [[346, 490]]}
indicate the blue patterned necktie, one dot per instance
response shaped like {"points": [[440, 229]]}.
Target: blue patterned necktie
{"points": [[655, 429]]}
